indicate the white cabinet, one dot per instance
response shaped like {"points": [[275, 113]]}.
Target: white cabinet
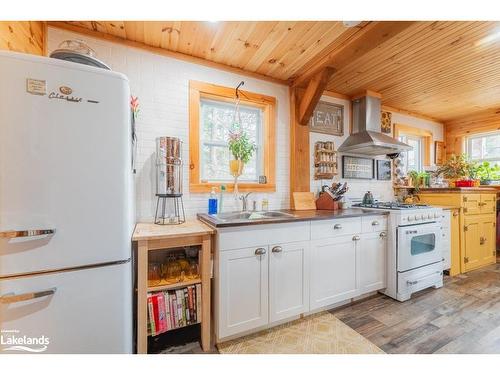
{"points": [[271, 272], [288, 280], [243, 290], [333, 270], [372, 253]]}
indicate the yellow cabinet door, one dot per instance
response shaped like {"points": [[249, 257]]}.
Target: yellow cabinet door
{"points": [[488, 239], [473, 255], [488, 203], [471, 203], [455, 242]]}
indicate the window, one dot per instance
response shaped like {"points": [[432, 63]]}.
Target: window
{"points": [[421, 141], [413, 158], [211, 118], [216, 119], [484, 147]]}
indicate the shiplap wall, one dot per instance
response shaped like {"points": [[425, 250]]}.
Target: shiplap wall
{"points": [[162, 85]]}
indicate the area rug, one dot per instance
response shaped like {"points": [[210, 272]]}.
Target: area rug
{"points": [[321, 333]]}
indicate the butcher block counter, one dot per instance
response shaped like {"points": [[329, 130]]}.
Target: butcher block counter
{"points": [[151, 237]]}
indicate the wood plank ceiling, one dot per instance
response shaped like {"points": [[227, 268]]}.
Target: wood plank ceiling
{"points": [[445, 70]]}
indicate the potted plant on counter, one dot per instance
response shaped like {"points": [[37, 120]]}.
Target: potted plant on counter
{"points": [[459, 171], [488, 173]]}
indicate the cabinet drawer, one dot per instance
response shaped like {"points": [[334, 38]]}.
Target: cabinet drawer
{"points": [[335, 227], [488, 203], [420, 278], [262, 235], [374, 223]]}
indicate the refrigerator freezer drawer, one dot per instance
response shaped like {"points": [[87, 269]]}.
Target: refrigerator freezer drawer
{"points": [[84, 311]]}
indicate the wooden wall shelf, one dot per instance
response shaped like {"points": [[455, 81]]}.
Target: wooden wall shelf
{"points": [[151, 237]]}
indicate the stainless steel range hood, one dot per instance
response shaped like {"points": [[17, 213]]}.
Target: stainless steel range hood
{"points": [[366, 137]]}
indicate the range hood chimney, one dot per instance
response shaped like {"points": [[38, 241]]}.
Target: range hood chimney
{"points": [[366, 137]]}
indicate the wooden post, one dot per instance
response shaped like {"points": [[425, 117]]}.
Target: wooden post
{"points": [[205, 293], [142, 292]]}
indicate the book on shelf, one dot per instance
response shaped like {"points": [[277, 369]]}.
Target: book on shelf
{"points": [[171, 309]]}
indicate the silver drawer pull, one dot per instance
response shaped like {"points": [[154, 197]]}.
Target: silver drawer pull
{"points": [[412, 282], [337, 226], [26, 233], [375, 223], [277, 249], [260, 251], [13, 298], [356, 238], [383, 235]]}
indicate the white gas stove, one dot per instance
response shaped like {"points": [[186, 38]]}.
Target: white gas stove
{"points": [[414, 254]]}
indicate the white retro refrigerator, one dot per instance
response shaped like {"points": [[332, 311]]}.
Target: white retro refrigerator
{"points": [[66, 207]]}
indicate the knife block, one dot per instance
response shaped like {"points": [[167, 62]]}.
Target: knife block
{"points": [[326, 202]]}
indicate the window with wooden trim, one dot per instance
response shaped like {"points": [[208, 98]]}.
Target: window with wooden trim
{"points": [[420, 140], [211, 118], [484, 147]]}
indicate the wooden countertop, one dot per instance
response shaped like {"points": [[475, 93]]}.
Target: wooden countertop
{"points": [[150, 231], [459, 190]]}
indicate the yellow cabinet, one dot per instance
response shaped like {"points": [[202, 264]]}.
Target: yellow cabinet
{"points": [[472, 227]]}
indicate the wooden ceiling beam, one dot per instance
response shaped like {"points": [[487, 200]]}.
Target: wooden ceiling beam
{"points": [[364, 41], [314, 90]]}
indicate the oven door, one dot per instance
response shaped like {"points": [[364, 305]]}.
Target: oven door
{"points": [[419, 245]]}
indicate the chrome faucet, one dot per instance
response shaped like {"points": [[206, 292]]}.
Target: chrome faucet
{"points": [[244, 200]]}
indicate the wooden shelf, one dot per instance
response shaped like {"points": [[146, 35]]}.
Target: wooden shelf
{"points": [[174, 329], [325, 162], [178, 285], [324, 150]]}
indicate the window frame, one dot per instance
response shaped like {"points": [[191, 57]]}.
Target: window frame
{"points": [[426, 135], [201, 90], [476, 136]]}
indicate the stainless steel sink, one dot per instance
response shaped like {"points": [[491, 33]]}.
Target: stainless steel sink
{"points": [[253, 215]]}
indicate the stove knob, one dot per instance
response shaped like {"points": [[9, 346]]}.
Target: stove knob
{"points": [[417, 217], [410, 218], [436, 215], [429, 216], [423, 217]]}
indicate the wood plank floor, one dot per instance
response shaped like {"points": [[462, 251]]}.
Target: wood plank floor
{"points": [[461, 317]]}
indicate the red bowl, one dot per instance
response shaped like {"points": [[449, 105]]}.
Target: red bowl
{"points": [[464, 183]]}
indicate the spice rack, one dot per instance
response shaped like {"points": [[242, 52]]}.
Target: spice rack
{"points": [[152, 239], [325, 161]]}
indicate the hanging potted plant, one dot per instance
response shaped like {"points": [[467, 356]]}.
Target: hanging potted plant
{"points": [[241, 150]]}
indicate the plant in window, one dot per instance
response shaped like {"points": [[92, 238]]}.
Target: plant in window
{"points": [[242, 150], [488, 173]]}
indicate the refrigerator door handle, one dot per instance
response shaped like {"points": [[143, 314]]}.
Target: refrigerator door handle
{"points": [[26, 233], [13, 298]]}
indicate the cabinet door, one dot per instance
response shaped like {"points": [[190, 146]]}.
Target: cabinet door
{"points": [[371, 253], [333, 270], [243, 277], [488, 239], [488, 203], [473, 250], [471, 203], [288, 280]]}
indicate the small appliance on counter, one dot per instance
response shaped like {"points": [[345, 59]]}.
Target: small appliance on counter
{"points": [[169, 205]]}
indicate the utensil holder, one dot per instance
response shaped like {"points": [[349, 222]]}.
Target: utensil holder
{"points": [[325, 202]]}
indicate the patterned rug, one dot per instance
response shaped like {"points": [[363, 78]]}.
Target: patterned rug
{"points": [[316, 334]]}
